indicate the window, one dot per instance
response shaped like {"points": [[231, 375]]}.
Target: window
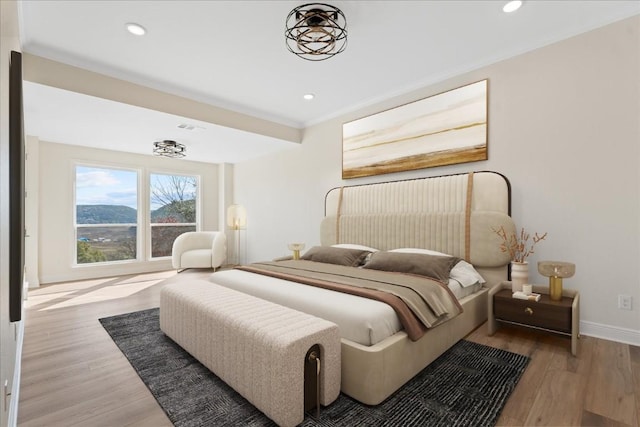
{"points": [[111, 206], [173, 210], [106, 222]]}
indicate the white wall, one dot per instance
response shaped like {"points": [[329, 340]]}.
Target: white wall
{"points": [[56, 204], [563, 127], [9, 347], [32, 213], [225, 198]]}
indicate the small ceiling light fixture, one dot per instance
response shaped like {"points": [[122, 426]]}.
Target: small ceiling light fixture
{"points": [[135, 29], [316, 31], [512, 6], [308, 96], [168, 148]]}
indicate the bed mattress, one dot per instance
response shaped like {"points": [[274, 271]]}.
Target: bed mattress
{"points": [[360, 320]]}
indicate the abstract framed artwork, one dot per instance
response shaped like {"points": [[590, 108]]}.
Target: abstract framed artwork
{"points": [[443, 129]]}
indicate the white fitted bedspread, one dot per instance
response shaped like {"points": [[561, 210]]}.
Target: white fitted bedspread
{"points": [[361, 320]]}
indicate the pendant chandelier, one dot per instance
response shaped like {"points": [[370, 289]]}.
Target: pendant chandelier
{"points": [[316, 31], [168, 148]]}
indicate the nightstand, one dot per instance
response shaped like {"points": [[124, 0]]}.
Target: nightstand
{"points": [[560, 317]]}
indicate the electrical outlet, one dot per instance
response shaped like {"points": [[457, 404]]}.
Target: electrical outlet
{"points": [[624, 302]]}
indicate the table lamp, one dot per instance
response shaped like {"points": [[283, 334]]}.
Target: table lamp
{"points": [[556, 271], [296, 248]]}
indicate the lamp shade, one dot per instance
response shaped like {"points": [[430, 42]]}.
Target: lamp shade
{"points": [[556, 269], [295, 246], [236, 217]]}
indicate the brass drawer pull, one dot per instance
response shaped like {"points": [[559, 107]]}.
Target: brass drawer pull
{"points": [[529, 311]]}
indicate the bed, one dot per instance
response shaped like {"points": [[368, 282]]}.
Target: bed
{"points": [[454, 215]]}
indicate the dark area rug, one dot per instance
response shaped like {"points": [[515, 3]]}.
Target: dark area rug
{"points": [[466, 386]]}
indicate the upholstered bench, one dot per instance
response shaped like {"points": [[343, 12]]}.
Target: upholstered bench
{"points": [[255, 346]]}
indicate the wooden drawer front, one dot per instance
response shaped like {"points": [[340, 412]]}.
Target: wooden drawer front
{"points": [[554, 317]]}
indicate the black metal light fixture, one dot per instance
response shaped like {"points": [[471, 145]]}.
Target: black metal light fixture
{"points": [[168, 148], [316, 31]]}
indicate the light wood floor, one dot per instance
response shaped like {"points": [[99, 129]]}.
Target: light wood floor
{"points": [[74, 375]]}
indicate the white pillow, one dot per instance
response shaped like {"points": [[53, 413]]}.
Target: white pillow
{"points": [[462, 272], [354, 246], [419, 251]]}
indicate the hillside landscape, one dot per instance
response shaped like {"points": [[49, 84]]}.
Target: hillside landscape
{"points": [[97, 243], [118, 214]]}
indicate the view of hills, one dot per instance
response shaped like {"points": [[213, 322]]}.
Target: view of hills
{"points": [[117, 214], [105, 214]]}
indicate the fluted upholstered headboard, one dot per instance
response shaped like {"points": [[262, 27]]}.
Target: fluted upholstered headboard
{"points": [[454, 214]]}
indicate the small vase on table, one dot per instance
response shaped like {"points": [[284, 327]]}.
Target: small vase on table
{"points": [[519, 275]]}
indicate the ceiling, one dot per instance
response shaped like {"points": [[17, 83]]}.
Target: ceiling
{"points": [[232, 54]]}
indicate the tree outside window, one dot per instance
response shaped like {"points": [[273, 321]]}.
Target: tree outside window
{"points": [[173, 201]]}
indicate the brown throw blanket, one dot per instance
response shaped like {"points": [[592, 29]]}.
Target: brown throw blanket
{"points": [[419, 302]]}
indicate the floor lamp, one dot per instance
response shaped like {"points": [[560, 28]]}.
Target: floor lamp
{"points": [[237, 220]]}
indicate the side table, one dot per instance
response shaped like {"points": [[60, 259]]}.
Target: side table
{"points": [[560, 317]]}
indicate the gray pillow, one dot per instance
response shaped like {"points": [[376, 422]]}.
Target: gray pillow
{"points": [[339, 256], [435, 267]]}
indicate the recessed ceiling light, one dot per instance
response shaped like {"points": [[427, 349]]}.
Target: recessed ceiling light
{"points": [[309, 96], [136, 29], [512, 6]]}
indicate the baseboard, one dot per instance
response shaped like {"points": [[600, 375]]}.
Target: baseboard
{"points": [[612, 333]]}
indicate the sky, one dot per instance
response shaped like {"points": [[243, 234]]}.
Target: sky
{"points": [[98, 186]]}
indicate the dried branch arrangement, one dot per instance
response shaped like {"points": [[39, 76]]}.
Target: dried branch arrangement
{"points": [[518, 246]]}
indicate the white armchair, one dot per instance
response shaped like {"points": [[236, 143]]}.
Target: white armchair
{"points": [[199, 249]]}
